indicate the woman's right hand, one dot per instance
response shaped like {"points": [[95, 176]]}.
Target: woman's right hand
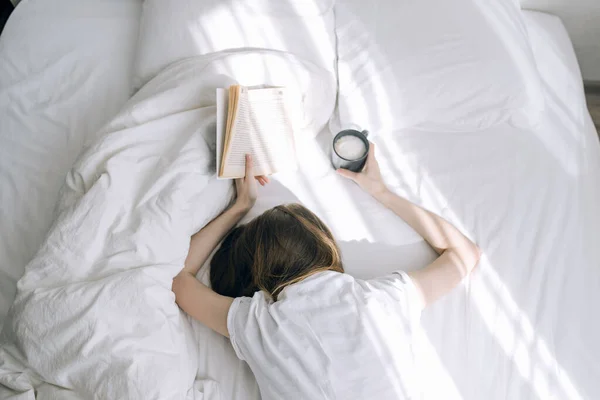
{"points": [[369, 179], [246, 190]]}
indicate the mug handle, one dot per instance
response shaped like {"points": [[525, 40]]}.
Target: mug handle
{"points": [[365, 132]]}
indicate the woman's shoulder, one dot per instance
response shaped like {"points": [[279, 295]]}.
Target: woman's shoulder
{"points": [[320, 282], [319, 289]]}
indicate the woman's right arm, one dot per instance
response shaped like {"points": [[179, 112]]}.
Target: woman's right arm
{"points": [[458, 254]]}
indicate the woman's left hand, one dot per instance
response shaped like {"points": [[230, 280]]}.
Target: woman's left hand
{"points": [[246, 188]]}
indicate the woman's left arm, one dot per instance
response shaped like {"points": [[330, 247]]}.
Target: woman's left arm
{"points": [[193, 296], [205, 240]]}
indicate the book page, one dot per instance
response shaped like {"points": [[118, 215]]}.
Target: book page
{"points": [[264, 129]]}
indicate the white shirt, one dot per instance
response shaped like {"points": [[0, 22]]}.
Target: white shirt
{"points": [[330, 336]]}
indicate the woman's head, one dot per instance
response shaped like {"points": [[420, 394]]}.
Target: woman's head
{"points": [[278, 248]]}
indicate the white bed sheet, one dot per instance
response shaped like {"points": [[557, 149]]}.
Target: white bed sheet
{"points": [[523, 326], [65, 69]]}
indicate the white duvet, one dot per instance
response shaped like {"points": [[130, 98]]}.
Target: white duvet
{"points": [[94, 315]]}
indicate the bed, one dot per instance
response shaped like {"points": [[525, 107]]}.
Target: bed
{"points": [[522, 327]]}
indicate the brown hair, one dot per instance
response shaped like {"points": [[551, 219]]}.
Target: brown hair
{"points": [[282, 246]]}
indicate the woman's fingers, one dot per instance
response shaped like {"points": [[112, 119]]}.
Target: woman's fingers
{"points": [[371, 155], [263, 180], [249, 166], [347, 174]]}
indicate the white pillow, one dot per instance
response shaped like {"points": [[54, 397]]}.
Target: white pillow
{"points": [[435, 64], [171, 30]]}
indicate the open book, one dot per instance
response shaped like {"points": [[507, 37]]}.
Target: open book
{"points": [[256, 122]]}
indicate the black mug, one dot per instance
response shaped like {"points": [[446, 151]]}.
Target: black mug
{"points": [[357, 164]]}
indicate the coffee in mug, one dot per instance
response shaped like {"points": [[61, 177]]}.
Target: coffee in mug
{"points": [[350, 147], [350, 150]]}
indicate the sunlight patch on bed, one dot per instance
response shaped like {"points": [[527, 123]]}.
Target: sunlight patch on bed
{"points": [[317, 34], [515, 333], [431, 369]]}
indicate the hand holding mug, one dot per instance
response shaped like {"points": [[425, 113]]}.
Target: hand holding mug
{"points": [[369, 179]]}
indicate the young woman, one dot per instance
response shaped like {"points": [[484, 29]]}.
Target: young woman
{"points": [[306, 329]]}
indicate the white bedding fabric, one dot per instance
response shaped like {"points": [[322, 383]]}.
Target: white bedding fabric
{"points": [[439, 65], [522, 327], [65, 69], [172, 30]]}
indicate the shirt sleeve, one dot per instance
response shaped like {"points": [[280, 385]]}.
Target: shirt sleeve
{"points": [[237, 312], [399, 289]]}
